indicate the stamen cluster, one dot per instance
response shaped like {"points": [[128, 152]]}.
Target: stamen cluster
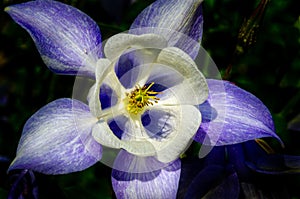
{"points": [[141, 97]]}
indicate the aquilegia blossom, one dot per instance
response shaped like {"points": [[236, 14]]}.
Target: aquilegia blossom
{"points": [[148, 98]]}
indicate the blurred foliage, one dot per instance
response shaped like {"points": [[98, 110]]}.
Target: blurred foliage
{"points": [[269, 69]]}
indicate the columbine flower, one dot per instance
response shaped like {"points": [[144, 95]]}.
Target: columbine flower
{"points": [[147, 99], [154, 97]]}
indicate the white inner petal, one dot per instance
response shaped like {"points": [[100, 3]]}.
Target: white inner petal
{"points": [[188, 121], [164, 75], [137, 76], [135, 130], [104, 74], [117, 44], [112, 80], [159, 123], [134, 65], [193, 90], [168, 133], [103, 134], [102, 69]]}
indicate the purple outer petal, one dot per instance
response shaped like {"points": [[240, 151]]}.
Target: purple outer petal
{"points": [[57, 139], [245, 116], [161, 183], [167, 18], [67, 39]]}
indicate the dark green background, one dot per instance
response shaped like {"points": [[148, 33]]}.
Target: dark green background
{"points": [[269, 69]]}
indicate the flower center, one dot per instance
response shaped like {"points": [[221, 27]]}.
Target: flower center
{"points": [[141, 97]]}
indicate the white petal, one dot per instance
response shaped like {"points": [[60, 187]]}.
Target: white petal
{"points": [[104, 74], [117, 44], [93, 96], [164, 75], [160, 124], [103, 134], [193, 90], [189, 120]]}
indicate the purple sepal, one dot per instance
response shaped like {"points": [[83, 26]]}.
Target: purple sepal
{"points": [[232, 115], [68, 40], [169, 19], [161, 183], [57, 139]]}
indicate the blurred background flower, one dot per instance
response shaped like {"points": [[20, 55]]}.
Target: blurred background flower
{"points": [[244, 170]]}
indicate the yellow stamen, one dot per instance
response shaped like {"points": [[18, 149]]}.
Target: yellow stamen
{"points": [[141, 97]]}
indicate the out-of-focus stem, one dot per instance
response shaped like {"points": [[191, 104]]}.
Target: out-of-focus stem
{"points": [[248, 33]]}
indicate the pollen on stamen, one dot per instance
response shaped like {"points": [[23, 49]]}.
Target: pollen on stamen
{"points": [[140, 97]]}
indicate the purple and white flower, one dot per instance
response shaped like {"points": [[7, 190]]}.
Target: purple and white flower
{"points": [[148, 99]]}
